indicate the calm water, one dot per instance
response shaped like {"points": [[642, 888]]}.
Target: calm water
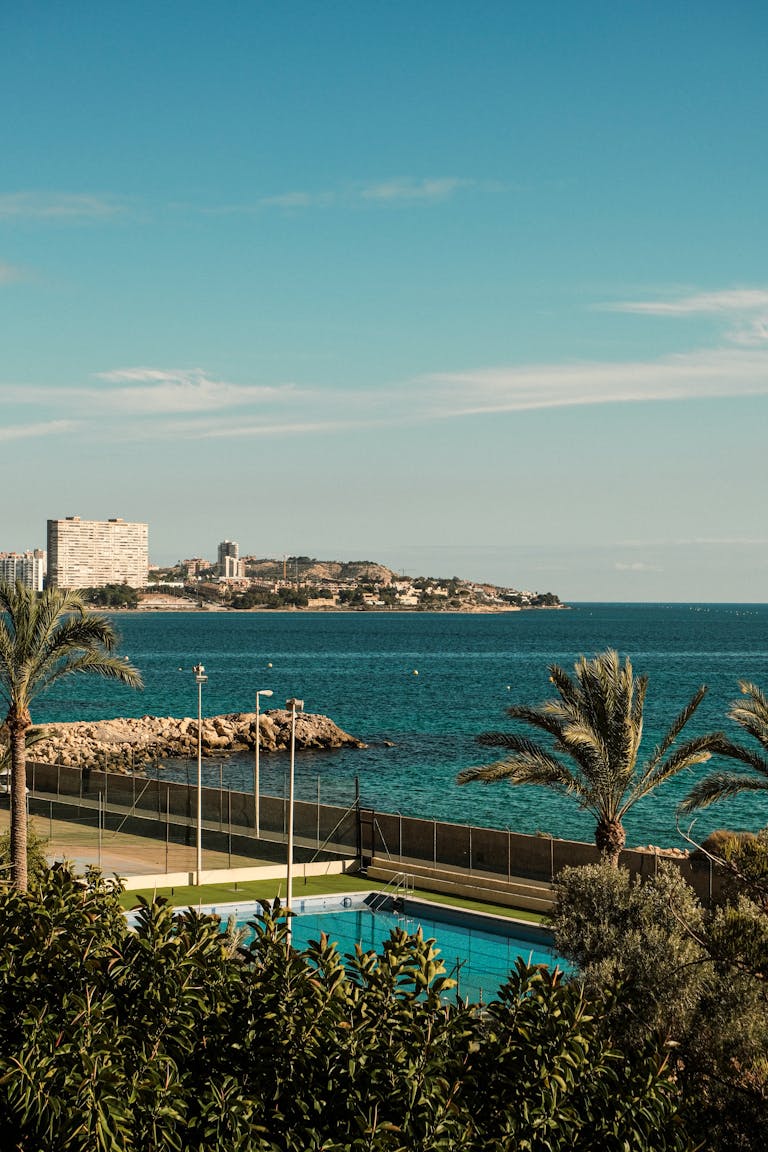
{"points": [[359, 668]]}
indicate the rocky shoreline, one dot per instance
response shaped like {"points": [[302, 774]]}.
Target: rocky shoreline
{"points": [[134, 744]]}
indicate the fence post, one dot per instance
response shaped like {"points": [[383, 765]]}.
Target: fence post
{"points": [[318, 812], [509, 855], [470, 849], [551, 859], [434, 845], [400, 828]]}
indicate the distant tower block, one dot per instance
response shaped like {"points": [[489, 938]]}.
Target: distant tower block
{"points": [[91, 553], [230, 566]]}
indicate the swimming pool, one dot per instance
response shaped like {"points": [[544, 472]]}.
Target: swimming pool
{"points": [[478, 951]]}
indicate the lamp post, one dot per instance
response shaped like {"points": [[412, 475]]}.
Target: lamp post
{"points": [[293, 706], [200, 679], [261, 692]]}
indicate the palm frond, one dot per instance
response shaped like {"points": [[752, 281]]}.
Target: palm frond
{"points": [[732, 751], [539, 717], [674, 731], [95, 664], [698, 750], [565, 687], [719, 786], [534, 767], [752, 714]]}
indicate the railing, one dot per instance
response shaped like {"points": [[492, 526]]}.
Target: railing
{"points": [[398, 889]]}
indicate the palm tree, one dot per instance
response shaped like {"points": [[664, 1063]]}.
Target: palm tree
{"points": [[752, 715], [43, 637], [595, 729]]}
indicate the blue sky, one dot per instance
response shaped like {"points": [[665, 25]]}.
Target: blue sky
{"points": [[470, 289]]}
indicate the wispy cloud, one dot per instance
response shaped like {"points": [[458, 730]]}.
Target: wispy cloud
{"points": [[407, 189], [413, 190], [151, 391], [745, 310], [636, 566], [31, 431], [735, 300], [189, 403], [696, 542], [721, 372], [57, 205]]}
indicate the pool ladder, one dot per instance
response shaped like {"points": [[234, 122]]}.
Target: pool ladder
{"points": [[398, 889]]}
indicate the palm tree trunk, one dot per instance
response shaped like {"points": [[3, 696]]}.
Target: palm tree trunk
{"points": [[18, 729], [610, 838]]}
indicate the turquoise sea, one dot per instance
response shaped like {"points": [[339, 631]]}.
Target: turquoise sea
{"points": [[360, 669]]}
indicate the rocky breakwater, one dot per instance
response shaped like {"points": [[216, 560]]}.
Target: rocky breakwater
{"points": [[136, 744]]}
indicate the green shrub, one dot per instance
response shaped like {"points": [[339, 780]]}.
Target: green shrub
{"points": [[172, 1036]]}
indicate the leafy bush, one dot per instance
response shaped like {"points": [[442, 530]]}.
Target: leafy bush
{"points": [[667, 968], [175, 1036]]}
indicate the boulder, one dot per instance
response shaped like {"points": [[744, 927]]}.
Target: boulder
{"points": [[125, 744]]}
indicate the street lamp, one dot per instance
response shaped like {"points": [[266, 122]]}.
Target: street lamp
{"points": [[293, 706], [261, 692], [200, 679]]}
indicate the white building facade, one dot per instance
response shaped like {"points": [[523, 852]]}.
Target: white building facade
{"points": [[27, 567], [92, 553]]}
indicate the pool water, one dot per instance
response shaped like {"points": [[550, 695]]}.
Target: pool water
{"points": [[477, 952]]}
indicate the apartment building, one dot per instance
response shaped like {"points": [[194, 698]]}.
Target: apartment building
{"points": [[27, 567], [230, 566], [91, 553]]}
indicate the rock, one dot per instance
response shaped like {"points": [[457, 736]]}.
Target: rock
{"points": [[125, 744]]}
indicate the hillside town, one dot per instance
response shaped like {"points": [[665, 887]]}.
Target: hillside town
{"points": [[108, 560], [329, 585]]}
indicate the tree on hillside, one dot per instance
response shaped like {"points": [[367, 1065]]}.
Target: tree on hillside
{"points": [[112, 596], [752, 715], [595, 728], [45, 636]]}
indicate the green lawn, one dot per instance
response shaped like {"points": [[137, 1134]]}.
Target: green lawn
{"points": [[189, 895]]}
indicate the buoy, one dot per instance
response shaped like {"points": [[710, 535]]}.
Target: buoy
{"points": [[415, 671], [269, 665]]}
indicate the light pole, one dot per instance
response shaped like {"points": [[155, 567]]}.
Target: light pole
{"points": [[261, 692], [293, 706], [200, 679]]}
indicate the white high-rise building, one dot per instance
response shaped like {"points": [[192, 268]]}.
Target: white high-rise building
{"points": [[230, 566], [91, 553], [28, 567]]}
